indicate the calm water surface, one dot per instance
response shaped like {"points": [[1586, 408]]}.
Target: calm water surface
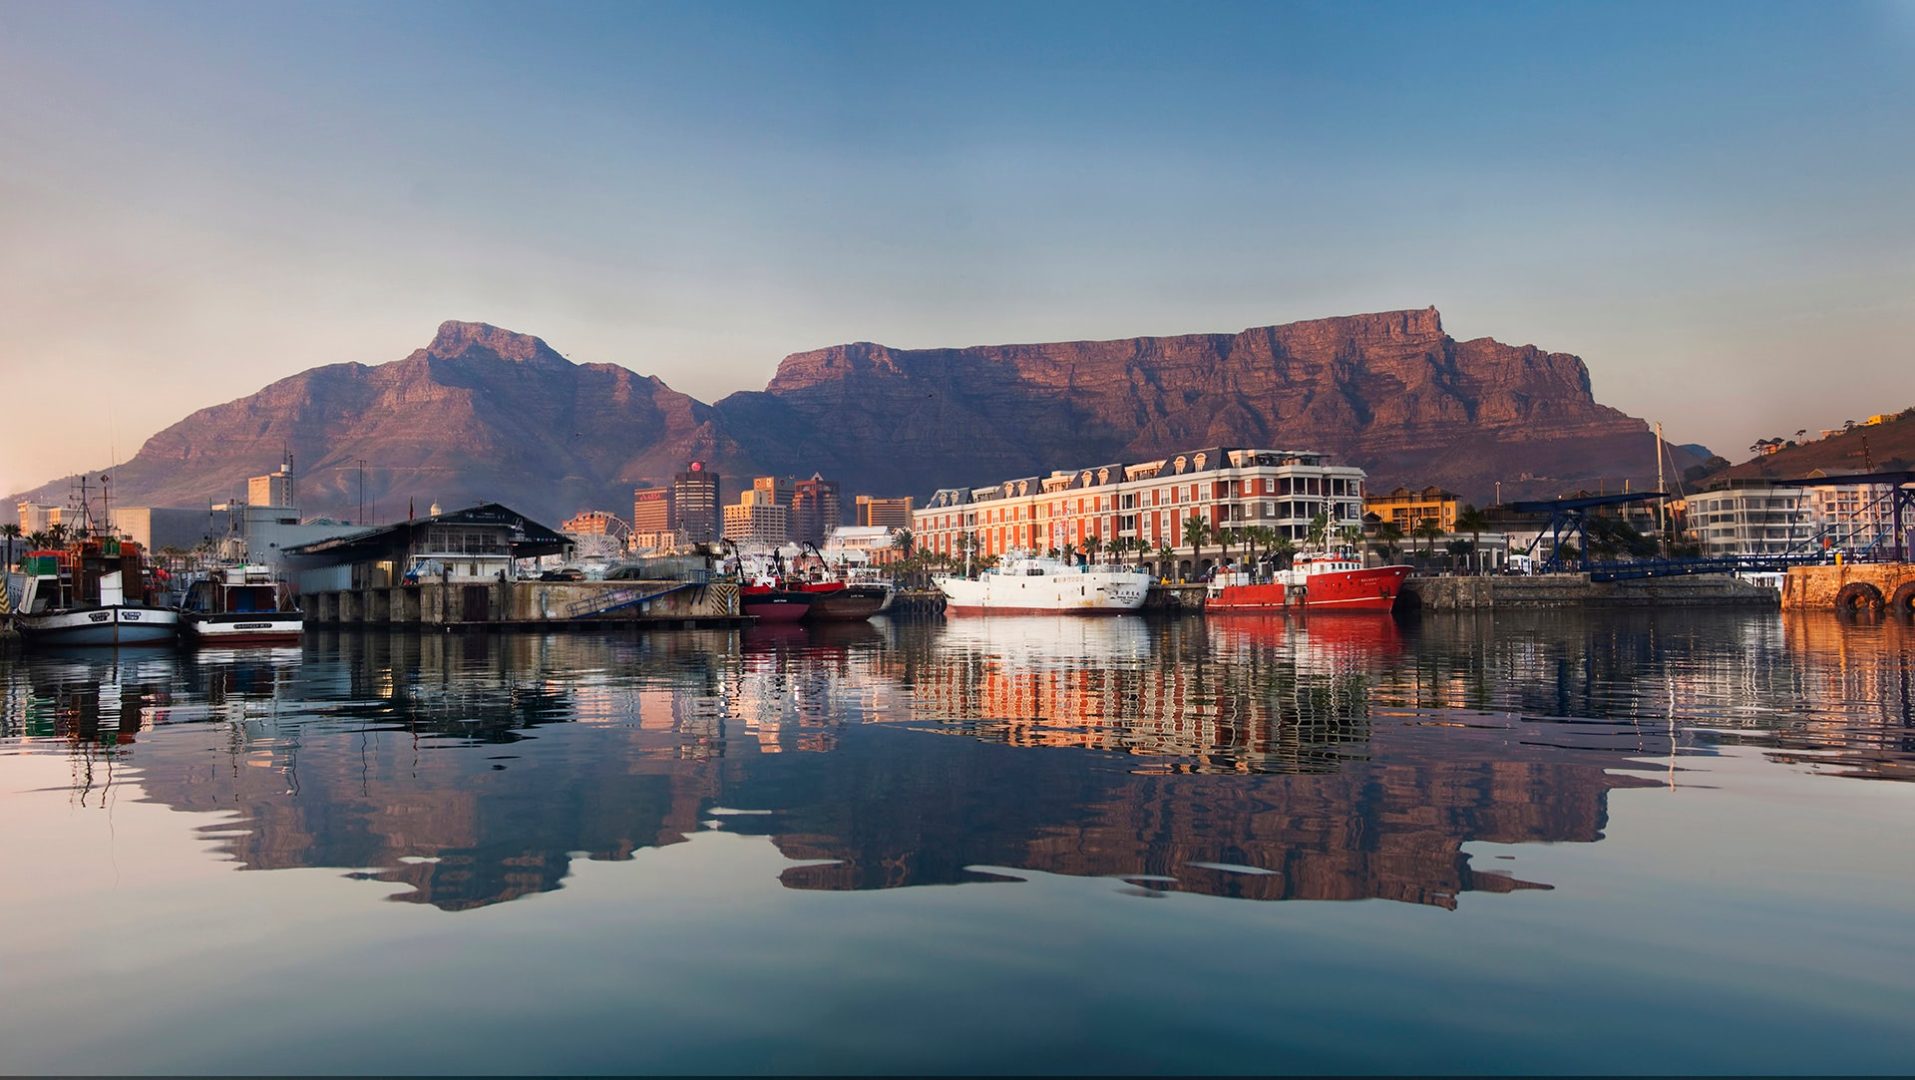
{"points": [[1682, 842]]}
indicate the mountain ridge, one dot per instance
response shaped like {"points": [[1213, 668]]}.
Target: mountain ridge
{"points": [[485, 413]]}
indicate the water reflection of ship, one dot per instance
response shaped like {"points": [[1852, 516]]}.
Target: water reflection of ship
{"points": [[92, 696], [1257, 696], [1038, 640], [796, 684]]}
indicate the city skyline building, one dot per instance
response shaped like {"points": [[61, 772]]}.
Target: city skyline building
{"points": [[750, 521], [695, 507], [272, 489], [815, 509], [871, 510]]}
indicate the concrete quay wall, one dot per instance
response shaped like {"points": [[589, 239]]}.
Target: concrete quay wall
{"points": [[527, 603], [1175, 599], [1576, 590], [1814, 588]]}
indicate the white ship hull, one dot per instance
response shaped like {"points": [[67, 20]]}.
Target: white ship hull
{"points": [[280, 627], [118, 624], [1073, 592]]}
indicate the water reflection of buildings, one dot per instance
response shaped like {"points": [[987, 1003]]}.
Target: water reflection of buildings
{"points": [[1818, 689], [1329, 759]]}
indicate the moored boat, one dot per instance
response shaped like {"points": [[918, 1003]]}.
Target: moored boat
{"points": [[771, 600], [241, 605], [1336, 581], [1039, 585], [846, 601], [92, 592]]}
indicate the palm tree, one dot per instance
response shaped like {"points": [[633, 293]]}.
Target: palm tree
{"points": [[907, 542], [1473, 522], [11, 532], [1197, 534], [1092, 545], [1163, 559], [1457, 549], [1429, 532], [1387, 536], [1284, 548], [1226, 536]]}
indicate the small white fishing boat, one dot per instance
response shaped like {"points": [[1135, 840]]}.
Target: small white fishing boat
{"points": [[241, 605]]}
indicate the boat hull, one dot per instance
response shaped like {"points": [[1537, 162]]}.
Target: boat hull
{"points": [[979, 609], [774, 605], [848, 603], [1373, 589], [117, 624], [276, 628]]}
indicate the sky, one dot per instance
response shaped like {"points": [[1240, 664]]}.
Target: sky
{"points": [[1712, 203]]}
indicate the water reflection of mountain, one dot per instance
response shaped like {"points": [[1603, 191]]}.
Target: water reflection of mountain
{"points": [[1331, 760]]}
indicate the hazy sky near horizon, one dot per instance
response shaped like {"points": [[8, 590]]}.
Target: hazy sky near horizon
{"points": [[1712, 203]]}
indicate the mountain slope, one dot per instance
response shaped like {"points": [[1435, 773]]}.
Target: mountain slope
{"points": [[1888, 446], [486, 414], [1390, 392], [480, 413]]}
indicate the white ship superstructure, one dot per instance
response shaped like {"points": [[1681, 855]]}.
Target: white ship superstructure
{"points": [[1037, 585]]}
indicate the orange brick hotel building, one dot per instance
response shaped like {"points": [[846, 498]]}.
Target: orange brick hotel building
{"points": [[1230, 488]]}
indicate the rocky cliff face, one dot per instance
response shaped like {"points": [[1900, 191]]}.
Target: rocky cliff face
{"points": [[479, 414], [486, 414], [1390, 392]]}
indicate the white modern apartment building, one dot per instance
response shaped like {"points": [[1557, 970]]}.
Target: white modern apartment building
{"points": [[1756, 519], [1854, 518], [1752, 520]]}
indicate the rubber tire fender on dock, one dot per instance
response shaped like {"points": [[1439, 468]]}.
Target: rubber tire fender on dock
{"points": [[1903, 602], [1858, 597]]}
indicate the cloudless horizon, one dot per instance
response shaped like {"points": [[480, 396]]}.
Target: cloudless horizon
{"points": [[1708, 202]]}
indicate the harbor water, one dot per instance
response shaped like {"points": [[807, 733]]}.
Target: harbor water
{"points": [[1561, 841]]}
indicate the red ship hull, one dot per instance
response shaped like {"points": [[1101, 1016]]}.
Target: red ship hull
{"points": [[1374, 589], [774, 605]]}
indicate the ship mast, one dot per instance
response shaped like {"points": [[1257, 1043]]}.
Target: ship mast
{"points": [[1662, 509]]}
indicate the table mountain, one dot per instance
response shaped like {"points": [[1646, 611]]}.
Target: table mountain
{"points": [[486, 414], [1390, 392]]}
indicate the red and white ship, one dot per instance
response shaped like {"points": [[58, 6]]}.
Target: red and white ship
{"points": [[1329, 582]]}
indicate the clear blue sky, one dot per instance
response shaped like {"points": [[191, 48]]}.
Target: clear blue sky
{"points": [[1713, 204]]}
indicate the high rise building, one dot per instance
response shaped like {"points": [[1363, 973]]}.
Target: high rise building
{"points": [[652, 519], [752, 522], [695, 507], [774, 490], [758, 517], [652, 510], [815, 509], [273, 489], [35, 517], [895, 513]]}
